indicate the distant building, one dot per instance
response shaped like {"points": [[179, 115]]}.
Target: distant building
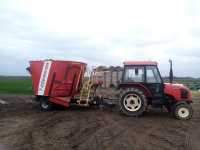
{"points": [[110, 76]]}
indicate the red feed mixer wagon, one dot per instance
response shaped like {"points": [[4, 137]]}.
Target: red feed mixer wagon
{"points": [[63, 83], [56, 81]]}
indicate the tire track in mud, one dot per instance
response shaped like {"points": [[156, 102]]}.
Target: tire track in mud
{"points": [[165, 134], [139, 132], [171, 137], [23, 126], [68, 130]]}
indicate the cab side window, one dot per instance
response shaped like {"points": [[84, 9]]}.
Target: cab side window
{"points": [[152, 75], [134, 74]]}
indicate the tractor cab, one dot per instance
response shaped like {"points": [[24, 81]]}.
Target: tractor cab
{"points": [[145, 75], [142, 85]]}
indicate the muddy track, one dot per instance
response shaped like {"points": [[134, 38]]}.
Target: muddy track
{"points": [[23, 126]]}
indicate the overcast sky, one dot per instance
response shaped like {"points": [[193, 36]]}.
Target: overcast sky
{"points": [[104, 32]]}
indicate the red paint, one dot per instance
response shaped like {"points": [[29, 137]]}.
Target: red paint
{"points": [[35, 69], [64, 101], [63, 80], [139, 86], [140, 63], [174, 90]]}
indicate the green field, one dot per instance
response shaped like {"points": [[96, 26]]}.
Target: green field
{"points": [[23, 85], [195, 93], [15, 85]]}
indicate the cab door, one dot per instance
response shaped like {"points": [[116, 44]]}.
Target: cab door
{"points": [[154, 83]]}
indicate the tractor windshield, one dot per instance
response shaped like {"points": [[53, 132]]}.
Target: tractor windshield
{"points": [[152, 74]]}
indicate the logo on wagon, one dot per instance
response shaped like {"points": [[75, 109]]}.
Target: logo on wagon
{"points": [[44, 77]]}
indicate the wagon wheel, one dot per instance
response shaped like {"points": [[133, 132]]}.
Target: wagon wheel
{"points": [[45, 104]]}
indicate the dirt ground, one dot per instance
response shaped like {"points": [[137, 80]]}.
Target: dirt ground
{"points": [[24, 127]]}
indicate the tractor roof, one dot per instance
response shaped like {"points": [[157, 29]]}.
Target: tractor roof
{"points": [[126, 63]]}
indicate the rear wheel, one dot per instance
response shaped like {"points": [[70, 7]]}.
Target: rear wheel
{"points": [[45, 104], [183, 111], [132, 102]]}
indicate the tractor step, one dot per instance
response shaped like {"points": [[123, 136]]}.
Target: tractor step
{"points": [[158, 102]]}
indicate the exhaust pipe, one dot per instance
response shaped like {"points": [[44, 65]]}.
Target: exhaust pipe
{"points": [[171, 77]]}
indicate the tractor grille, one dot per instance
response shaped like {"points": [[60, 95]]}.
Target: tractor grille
{"points": [[184, 93]]}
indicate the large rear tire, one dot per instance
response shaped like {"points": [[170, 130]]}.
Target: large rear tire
{"points": [[133, 102], [45, 104], [183, 111]]}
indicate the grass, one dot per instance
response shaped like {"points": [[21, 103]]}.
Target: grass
{"points": [[23, 85], [15, 86], [195, 93]]}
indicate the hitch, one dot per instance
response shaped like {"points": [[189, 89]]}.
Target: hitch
{"points": [[104, 102]]}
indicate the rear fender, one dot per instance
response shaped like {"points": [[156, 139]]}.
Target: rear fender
{"points": [[139, 86]]}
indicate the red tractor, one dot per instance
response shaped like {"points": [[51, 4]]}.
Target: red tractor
{"points": [[62, 83], [142, 85]]}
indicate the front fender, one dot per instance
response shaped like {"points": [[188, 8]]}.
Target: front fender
{"points": [[182, 102]]}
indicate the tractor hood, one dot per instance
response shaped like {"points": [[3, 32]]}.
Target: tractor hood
{"points": [[175, 85], [178, 91]]}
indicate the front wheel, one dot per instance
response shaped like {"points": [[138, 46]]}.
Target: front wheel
{"points": [[183, 111]]}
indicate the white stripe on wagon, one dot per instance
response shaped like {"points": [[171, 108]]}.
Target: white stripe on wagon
{"points": [[44, 77]]}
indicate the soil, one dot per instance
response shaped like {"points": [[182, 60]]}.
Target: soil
{"points": [[24, 127]]}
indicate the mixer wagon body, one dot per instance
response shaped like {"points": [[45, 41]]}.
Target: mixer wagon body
{"points": [[59, 81]]}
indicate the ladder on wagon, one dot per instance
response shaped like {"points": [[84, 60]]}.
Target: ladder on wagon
{"points": [[86, 92]]}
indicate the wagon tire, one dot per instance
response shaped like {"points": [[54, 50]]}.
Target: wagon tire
{"points": [[132, 102], [45, 104]]}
